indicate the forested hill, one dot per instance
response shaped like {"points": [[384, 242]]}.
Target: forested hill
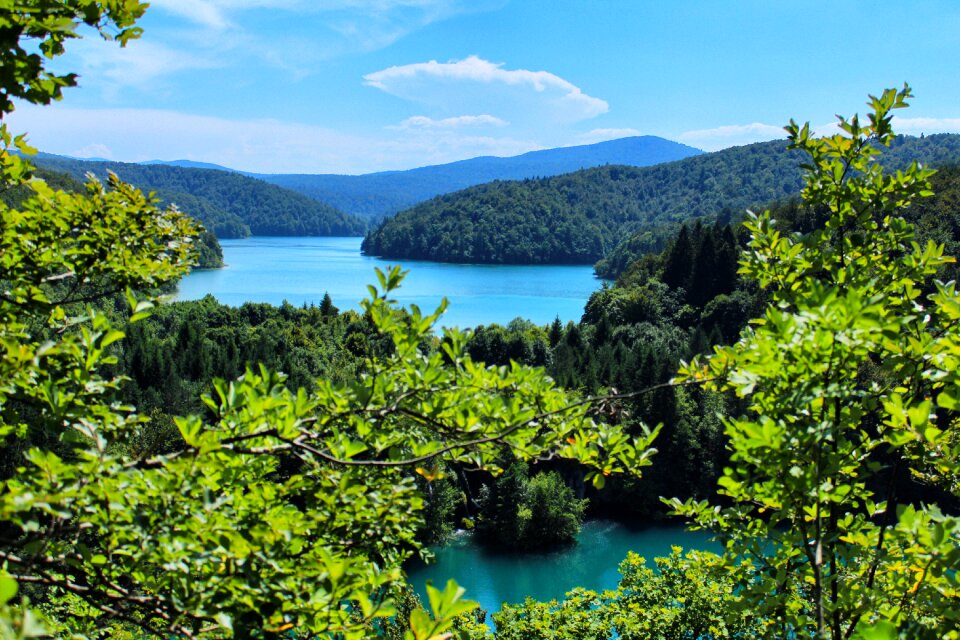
{"points": [[578, 218], [936, 150], [229, 204], [375, 195], [209, 251]]}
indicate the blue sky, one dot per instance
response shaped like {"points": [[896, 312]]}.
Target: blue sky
{"points": [[354, 86]]}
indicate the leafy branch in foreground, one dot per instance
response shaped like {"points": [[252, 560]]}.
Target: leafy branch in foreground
{"points": [[851, 386], [286, 514], [290, 512]]}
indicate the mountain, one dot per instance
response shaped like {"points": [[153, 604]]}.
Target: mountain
{"points": [[229, 204], [375, 195], [193, 164], [578, 218]]}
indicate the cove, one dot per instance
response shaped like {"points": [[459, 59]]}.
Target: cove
{"points": [[301, 270], [492, 578]]}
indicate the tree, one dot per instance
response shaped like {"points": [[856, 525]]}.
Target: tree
{"points": [[283, 513], [851, 386], [523, 512], [326, 306], [679, 260]]}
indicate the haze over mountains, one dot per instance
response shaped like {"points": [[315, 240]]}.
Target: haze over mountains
{"points": [[375, 195]]}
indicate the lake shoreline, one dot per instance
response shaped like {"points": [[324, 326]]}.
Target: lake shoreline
{"points": [[300, 270]]}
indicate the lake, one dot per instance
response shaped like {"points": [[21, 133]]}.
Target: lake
{"points": [[301, 270], [492, 578]]}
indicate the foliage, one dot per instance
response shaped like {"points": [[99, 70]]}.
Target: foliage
{"points": [[576, 616], [937, 218], [441, 498], [60, 251], [636, 246], [288, 510], [172, 357], [209, 251], [634, 333], [850, 387], [283, 512], [684, 597], [520, 340], [523, 512], [229, 204], [937, 150], [25, 75]]}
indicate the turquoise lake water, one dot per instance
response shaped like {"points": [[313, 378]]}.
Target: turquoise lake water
{"points": [[301, 270], [494, 578]]}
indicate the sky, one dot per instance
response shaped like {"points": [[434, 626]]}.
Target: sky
{"points": [[358, 86]]}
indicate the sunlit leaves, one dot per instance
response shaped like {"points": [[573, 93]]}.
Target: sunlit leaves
{"points": [[849, 381], [285, 512], [51, 24]]}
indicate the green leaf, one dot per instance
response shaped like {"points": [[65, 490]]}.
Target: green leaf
{"points": [[8, 589], [882, 630]]}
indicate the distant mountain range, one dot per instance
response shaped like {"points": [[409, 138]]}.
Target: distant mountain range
{"points": [[375, 195], [191, 164], [580, 217]]}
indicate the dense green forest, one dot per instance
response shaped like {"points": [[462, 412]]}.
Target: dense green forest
{"points": [[172, 358], [375, 195], [669, 306], [229, 204], [579, 218]]}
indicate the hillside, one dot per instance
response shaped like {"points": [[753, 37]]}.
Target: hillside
{"points": [[936, 150], [375, 195], [229, 204], [580, 217], [209, 251]]}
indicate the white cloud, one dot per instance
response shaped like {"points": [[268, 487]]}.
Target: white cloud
{"points": [[93, 150], [916, 126], [262, 145], [424, 122], [247, 37], [731, 135], [140, 64], [479, 81], [601, 135], [201, 12], [359, 25]]}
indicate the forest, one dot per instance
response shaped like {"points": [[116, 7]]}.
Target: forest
{"points": [[230, 205], [581, 217], [197, 470]]}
